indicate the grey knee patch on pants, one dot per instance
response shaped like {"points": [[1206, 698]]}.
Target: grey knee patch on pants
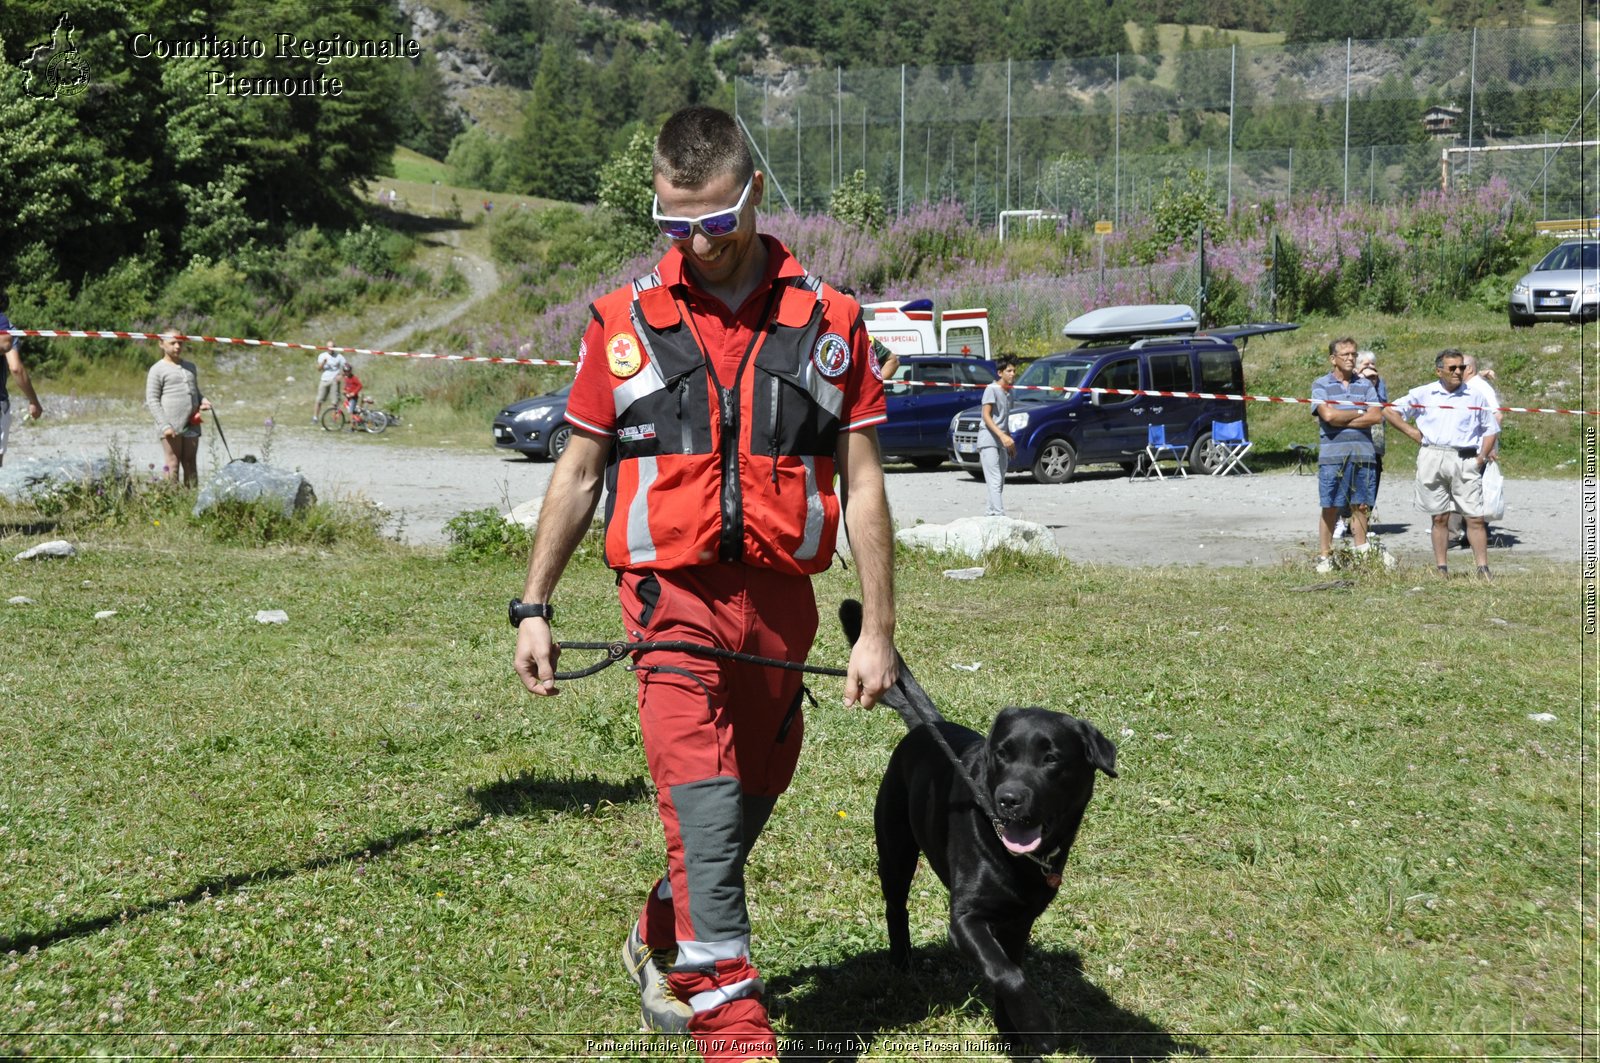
{"points": [[711, 817]]}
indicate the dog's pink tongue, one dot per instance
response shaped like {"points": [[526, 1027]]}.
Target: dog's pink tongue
{"points": [[1021, 839]]}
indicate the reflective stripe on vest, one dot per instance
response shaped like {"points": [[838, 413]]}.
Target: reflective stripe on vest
{"points": [[641, 547]]}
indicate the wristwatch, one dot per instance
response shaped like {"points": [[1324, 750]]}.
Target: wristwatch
{"points": [[520, 611]]}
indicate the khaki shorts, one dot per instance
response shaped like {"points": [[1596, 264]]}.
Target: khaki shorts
{"points": [[327, 391], [1447, 482]]}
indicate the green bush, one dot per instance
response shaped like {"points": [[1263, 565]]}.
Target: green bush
{"points": [[241, 523], [379, 252], [213, 290], [480, 534], [856, 204]]}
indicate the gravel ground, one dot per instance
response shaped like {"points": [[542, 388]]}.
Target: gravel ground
{"points": [[1101, 518]]}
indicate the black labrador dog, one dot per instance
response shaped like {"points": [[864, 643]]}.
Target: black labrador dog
{"points": [[996, 830]]}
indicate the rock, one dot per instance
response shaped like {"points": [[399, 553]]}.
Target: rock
{"points": [[28, 480], [271, 616], [105, 614], [1542, 717], [19, 600], [526, 514], [54, 548], [963, 573], [976, 536], [253, 482]]}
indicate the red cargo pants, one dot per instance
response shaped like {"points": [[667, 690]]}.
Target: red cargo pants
{"points": [[721, 739]]}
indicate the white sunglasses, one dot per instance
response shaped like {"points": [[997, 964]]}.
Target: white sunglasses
{"points": [[715, 224]]}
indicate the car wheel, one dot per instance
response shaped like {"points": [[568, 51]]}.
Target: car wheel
{"points": [[559, 440], [927, 461], [1056, 463], [1203, 457], [1521, 320]]}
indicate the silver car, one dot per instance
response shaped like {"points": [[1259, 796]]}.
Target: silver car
{"points": [[1564, 286]]}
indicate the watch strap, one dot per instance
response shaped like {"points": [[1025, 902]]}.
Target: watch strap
{"points": [[520, 611]]}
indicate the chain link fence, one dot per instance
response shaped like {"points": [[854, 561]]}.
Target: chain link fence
{"points": [[1094, 139]]}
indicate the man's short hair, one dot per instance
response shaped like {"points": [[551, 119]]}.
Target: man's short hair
{"points": [[1364, 357], [1005, 360], [1334, 346], [699, 143], [1449, 352]]}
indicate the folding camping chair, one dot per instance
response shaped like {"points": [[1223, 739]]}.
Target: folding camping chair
{"points": [[1157, 450], [1229, 446]]}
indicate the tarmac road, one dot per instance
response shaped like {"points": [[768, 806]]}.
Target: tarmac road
{"points": [[1099, 518]]}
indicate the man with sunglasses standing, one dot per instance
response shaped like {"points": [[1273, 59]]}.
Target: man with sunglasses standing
{"points": [[715, 400], [1458, 437]]}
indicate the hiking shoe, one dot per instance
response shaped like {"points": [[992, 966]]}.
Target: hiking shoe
{"points": [[1324, 565], [660, 1011]]}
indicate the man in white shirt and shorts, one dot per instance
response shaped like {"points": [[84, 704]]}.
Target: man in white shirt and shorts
{"points": [[332, 364], [1457, 436]]}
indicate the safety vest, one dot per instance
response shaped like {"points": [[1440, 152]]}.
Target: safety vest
{"points": [[707, 470]]}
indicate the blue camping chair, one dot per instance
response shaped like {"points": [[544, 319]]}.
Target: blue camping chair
{"points": [[1229, 446], [1157, 450]]}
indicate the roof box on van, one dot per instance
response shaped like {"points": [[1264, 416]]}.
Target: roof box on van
{"points": [[1114, 322]]}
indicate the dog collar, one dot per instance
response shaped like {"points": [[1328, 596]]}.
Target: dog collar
{"points": [[1047, 864]]}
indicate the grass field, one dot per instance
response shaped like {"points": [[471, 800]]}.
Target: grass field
{"points": [[1336, 833]]}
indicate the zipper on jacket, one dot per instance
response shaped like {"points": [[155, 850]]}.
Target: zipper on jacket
{"points": [[732, 544], [777, 427]]}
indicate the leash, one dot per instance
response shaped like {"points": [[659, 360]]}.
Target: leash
{"points": [[220, 433], [906, 697], [616, 651]]}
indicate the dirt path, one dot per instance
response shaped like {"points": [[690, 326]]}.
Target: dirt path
{"points": [[1098, 518], [483, 280]]}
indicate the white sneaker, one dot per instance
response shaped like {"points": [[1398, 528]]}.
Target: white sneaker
{"points": [[660, 1010], [1324, 565], [1340, 528]]}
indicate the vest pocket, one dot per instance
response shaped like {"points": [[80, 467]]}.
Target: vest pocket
{"points": [[788, 420]]}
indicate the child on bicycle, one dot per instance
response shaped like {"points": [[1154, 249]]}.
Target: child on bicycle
{"points": [[352, 389]]}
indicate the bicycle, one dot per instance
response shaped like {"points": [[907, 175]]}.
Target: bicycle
{"points": [[356, 416]]}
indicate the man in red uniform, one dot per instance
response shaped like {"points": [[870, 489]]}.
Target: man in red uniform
{"points": [[715, 401]]}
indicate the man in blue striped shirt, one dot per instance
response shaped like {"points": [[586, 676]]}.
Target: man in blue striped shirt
{"points": [[1347, 464]]}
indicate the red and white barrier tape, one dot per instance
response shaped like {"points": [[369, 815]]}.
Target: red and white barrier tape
{"points": [[93, 334]]}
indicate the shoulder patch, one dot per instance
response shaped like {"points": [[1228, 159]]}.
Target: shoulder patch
{"points": [[832, 355], [622, 355]]}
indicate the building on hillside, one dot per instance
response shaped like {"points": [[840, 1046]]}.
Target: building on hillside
{"points": [[1441, 121]]}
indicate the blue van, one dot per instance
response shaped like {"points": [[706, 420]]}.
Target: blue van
{"points": [[1147, 348], [926, 391]]}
